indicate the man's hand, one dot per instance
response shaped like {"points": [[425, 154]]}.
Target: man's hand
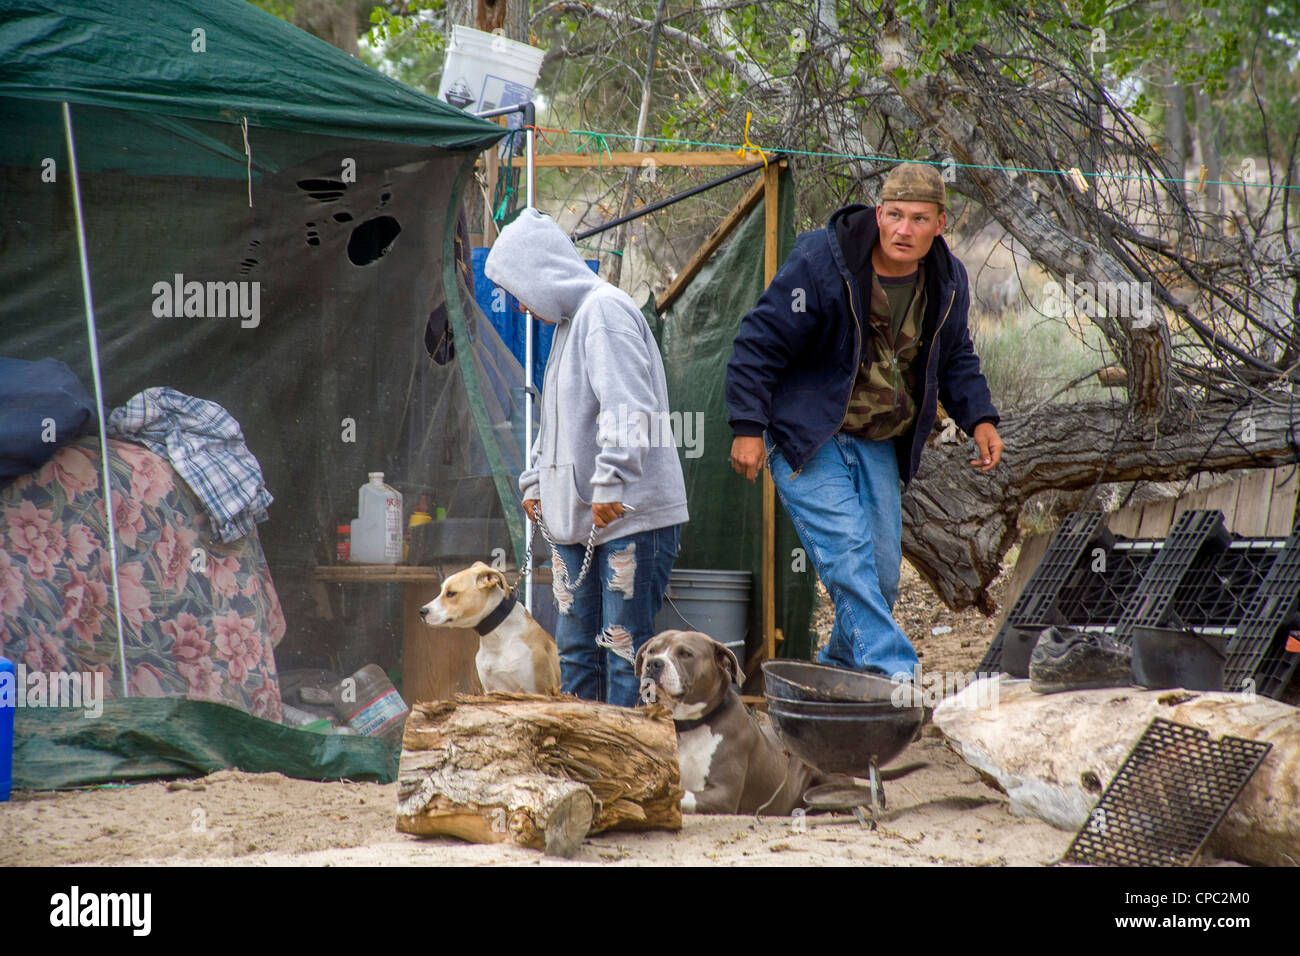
{"points": [[602, 514], [990, 446], [530, 508], [747, 454]]}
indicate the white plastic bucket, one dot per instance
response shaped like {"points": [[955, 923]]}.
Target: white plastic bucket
{"points": [[484, 71]]}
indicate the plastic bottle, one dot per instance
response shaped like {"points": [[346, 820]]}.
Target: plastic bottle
{"points": [[8, 706], [377, 530], [371, 705]]}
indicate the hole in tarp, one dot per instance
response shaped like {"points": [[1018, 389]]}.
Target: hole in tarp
{"points": [[438, 339], [324, 190], [372, 239], [343, 217]]}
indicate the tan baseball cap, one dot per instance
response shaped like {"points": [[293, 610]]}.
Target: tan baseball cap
{"points": [[914, 182]]}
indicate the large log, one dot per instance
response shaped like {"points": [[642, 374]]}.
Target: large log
{"points": [[539, 772], [1053, 754]]}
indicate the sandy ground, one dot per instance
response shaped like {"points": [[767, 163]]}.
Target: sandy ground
{"points": [[941, 814]]}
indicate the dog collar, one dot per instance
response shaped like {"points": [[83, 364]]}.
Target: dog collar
{"points": [[684, 725], [496, 616]]}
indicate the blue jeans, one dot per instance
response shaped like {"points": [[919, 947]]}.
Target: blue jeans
{"points": [[845, 504], [620, 596]]}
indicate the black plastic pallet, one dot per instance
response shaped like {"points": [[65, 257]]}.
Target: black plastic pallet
{"points": [[1096, 599], [1190, 535], [1257, 655], [1034, 607], [1218, 589], [1166, 798]]}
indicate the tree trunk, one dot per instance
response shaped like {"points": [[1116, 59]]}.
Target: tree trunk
{"points": [[538, 772], [958, 522]]}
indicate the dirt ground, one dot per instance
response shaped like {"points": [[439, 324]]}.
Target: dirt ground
{"points": [[941, 814]]}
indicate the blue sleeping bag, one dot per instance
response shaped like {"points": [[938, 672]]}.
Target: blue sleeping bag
{"points": [[43, 406]]}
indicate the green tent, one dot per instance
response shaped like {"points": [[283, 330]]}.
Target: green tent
{"points": [[216, 144]]}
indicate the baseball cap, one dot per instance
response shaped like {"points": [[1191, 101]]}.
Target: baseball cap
{"points": [[914, 182]]}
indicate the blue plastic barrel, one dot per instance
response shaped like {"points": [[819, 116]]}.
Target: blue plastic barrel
{"points": [[8, 704]]}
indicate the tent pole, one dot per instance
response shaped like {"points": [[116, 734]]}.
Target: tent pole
{"points": [[88, 301], [530, 120]]}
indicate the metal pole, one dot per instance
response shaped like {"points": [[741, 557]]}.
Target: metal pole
{"points": [[529, 123], [89, 304]]}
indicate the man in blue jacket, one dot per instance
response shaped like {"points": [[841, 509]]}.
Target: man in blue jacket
{"points": [[835, 377]]}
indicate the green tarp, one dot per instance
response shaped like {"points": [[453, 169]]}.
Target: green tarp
{"points": [[726, 526], [147, 739], [221, 60]]}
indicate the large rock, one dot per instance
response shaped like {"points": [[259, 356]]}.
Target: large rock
{"points": [[1054, 754]]}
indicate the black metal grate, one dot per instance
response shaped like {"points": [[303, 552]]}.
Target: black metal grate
{"points": [[1034, 607], [1166, 799], [1192, 532]]}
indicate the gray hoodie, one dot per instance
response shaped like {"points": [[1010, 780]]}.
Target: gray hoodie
{"points": [[605, 432]]}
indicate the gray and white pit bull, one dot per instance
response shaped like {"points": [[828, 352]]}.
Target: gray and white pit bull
{"points": [[731, 762]]}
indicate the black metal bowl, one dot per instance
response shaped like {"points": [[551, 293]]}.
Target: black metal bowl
{"points": [[803, 680], [847, 740], [835, 708]]}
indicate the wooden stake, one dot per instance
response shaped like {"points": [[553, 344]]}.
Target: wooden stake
{"points": [[771, 197]]}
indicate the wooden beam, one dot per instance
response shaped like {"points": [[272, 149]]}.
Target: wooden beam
{"points": [[711, 244], [605, 160], [771, 184]]}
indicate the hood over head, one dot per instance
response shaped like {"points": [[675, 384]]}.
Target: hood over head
{"points": [[536, 262]]}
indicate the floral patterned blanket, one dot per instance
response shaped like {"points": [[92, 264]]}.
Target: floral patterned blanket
{"points": [[201, 618]]}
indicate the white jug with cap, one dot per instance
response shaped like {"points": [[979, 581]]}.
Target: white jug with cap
{"points": [[377, 531]]}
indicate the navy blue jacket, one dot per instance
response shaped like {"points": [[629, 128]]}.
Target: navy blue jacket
{"points": [[792, 370]]}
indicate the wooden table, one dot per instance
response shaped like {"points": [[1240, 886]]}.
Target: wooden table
{"points": [[437, 662]]}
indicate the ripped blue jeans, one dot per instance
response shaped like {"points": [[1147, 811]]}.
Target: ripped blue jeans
{"points": [[621, 595]]}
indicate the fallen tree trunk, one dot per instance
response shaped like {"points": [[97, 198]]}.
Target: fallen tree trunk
{"points": [[958, 522], [539, 772]]}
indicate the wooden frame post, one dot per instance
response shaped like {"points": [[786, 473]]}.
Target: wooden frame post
{"points": [[771, 198]]}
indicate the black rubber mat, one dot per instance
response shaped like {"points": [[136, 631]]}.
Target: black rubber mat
{"points": [[1168, 796]]}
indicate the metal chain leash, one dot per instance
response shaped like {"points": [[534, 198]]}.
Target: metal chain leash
{"points": [[557, 566]]}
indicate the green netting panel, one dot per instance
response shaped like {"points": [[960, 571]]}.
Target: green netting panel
{"points": [[141, 739], [725, 530]]}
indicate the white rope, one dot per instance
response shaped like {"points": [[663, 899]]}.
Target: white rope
{"points": [[248, 151], [99, 390]]}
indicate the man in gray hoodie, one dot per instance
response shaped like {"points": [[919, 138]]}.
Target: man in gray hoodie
{"points": [[605, 454]]}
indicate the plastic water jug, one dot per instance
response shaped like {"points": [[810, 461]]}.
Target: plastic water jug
{"points": [[8, 706], [377, 531]]}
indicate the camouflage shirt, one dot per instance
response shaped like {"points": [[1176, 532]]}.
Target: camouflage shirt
{"points": [[881, 404]]}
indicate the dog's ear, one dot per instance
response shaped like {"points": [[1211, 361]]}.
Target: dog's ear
{"points": [[489, 577], [640, 659], [728, 661]]}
